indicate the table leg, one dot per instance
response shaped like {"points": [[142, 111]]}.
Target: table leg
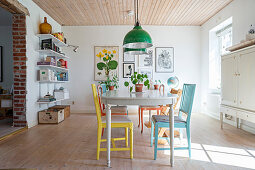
{"points": [[171, 129], [108, 128]]}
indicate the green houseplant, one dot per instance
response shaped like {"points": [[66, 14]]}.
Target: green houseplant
{"points": [[157, 84], [111, 83], [138, 80]]}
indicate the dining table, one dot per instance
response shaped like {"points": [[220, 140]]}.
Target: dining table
{"points": [[146, 98]]}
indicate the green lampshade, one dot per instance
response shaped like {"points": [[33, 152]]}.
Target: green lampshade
{"points": [[134, 51], [137, 38]]}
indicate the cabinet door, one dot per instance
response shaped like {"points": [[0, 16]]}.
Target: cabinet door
{"points": [[246, 80], [229, 80]]}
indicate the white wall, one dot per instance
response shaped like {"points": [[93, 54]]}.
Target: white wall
{"points": [[32, 24], [6, 42], [185, 40], [243, 15]]}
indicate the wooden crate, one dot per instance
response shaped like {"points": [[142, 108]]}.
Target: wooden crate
{"points": [[51, 116], [65, 107]]}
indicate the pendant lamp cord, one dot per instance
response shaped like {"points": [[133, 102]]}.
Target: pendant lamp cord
{"points": [[136, 13]]}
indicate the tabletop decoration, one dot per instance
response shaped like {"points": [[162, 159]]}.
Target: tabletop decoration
{"points": [[138, 80]]}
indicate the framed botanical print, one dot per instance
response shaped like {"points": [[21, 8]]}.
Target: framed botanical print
{"points": [[146, 60], [148, 71], [128, 69], [106, 62], [164, 57]]}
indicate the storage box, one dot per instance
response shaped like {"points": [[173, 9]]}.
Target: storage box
{"points": [[51, 116], [61, 94], [65, 107]]}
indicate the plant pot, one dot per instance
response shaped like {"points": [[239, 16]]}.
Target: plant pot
{"points": [[139, 87], [156, 87], [111, 87]]}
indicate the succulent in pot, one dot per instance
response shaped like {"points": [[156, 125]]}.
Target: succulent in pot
{"points": [[156, 86], [138, 80]]}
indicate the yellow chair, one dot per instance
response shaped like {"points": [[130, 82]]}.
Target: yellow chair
{"points": [[117, 122]]}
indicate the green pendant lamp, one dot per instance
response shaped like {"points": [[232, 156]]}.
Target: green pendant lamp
{"points": [[137, 40]]}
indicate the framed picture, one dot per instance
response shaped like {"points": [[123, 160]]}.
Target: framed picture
{"points": [[128, 69], [148, 71], [164, 57], [146, 60], [128, 57], [106, 62], [1, 63]]}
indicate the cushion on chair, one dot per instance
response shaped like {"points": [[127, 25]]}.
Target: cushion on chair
{"points": [[117, 119], [164, 118], [117, 109]]}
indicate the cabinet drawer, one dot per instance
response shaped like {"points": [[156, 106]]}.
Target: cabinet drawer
{"points": [[246, 116], [227, 110]]}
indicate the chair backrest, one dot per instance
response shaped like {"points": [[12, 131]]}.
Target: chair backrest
{"points": [[179, 93], [188, 92], [100, 92], [103, 87], [96, 101]]}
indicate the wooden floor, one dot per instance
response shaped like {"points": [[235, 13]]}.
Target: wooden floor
{"points": [[72, 145]]}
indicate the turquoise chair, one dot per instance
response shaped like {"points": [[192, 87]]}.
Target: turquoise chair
{"points": [[162, 121], [103, 87]]}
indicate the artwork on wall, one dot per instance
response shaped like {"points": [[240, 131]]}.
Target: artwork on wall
{"points": [[128, 57], [148, 71], [164, 59], [128, 69], [146, 60], [106, 62], [1, 63]]}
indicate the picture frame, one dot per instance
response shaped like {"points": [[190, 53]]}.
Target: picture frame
{"points": [[128, 57], [128, 69], [146, 60], [1, 63], [148, 71], [164, 59], [103, 55]]}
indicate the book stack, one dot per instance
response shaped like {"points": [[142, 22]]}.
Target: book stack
{"points": [[47, 98]]}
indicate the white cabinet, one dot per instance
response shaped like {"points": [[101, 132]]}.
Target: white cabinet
{"points": [[238, 84]]}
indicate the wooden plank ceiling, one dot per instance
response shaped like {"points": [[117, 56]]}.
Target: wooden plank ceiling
{"points": [[115, 12]]}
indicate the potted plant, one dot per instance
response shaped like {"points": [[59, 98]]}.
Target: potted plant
{"points": [[157, 85], [111, 83], [138, 80]]}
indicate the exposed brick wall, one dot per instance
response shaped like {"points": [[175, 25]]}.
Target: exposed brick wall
{"points": [[19, 70]]}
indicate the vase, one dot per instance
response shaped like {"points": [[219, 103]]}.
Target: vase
{"points": [[139, 87], [45, 28]]}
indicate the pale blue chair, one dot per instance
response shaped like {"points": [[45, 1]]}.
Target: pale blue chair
{"points": [[103, 87], [162, 121]]}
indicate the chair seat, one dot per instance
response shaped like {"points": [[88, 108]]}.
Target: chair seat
{"points": [[152, 106], [164, 118], [117, 109], [117, 119]]}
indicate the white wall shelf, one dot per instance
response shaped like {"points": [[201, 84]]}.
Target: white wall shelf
{"points": [[54, 67], [51, 101], [52, 53], [56, 41], [53, 81]]}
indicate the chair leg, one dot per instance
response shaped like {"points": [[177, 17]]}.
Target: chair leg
{"points": [[126, 136], [156, 142], [131, 141], [139, 115], [157, 112], [99, 134], [152, 132], [189, 140], [142, 120]]}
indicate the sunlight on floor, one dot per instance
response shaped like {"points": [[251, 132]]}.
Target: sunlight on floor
{"points": [[218, 154]]}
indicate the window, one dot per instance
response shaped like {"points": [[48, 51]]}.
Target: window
{"points": [[220, 38]]}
